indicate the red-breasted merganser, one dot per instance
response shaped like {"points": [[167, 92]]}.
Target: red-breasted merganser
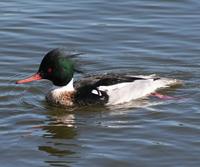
{"points": [[108, 89]]}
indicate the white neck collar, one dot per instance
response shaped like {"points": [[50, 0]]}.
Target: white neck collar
{"points": [[69, 87]]}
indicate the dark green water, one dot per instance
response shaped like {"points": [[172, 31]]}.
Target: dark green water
{"points": [[139, 36]]}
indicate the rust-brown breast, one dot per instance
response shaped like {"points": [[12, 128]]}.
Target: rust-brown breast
{"points": [[63, 98]]}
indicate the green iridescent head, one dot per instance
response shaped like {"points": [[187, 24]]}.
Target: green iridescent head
{"points": [[56, 67]]}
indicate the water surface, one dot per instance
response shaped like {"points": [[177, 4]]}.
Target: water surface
{"points": [[142, 37]]}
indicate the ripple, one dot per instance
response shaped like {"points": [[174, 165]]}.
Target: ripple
{"points": [[141, 37]]}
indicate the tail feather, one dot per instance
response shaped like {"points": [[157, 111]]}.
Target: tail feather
{"points": [[168, 82]]}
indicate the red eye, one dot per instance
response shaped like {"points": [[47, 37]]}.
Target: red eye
{"points": [[49, 70]]}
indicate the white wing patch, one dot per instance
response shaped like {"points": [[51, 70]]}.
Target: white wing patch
{"points": [[125, 92], [94, 91]]}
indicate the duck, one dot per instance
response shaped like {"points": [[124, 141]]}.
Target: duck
{"points": [[105, 89]]}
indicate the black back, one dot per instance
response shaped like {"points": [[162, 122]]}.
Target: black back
{"points": [[85, 87]]}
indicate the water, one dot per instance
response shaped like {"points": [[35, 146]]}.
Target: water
{"points": [[142, 37]]}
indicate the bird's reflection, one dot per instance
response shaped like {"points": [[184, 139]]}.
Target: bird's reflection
{"points": [[54, 151], [59, 136], [59, 132]]}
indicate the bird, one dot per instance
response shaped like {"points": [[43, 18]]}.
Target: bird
{"points": [[104, 89]]}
